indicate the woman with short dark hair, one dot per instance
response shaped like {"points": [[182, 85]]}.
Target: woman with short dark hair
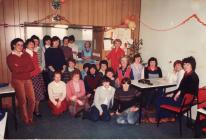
{"points": [[152, 70], [66, 49], [36, 76], [92, 81], [125, 103], [103, 99], [20, 65], [189, 84], [54, 57]]}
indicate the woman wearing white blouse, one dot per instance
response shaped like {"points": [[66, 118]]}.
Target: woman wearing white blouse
{"points": [[103, 99], [57, 95], [176, 76]]}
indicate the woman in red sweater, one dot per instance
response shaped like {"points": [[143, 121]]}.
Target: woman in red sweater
{"points": [[20, 65], [116, 54], [76, 94], [37, 79]]}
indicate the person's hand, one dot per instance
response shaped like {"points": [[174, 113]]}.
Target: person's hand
{"points": [[100, 113], [73, 98], [112, 113], [176, 97], [89, 95], [80, 102], [118, 113]]}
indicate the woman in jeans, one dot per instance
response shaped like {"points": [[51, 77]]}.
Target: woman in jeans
{"points": [[125, 103], [20, 65]]}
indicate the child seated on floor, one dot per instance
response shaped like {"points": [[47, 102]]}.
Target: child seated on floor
{"points": [[57, 95]]}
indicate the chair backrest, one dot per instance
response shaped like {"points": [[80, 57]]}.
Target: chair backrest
{"points": [[188, 100], [201, 98]]}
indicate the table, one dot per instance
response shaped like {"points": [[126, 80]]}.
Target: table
{"points": [[8, 91], [3, 126], [160, 83]]}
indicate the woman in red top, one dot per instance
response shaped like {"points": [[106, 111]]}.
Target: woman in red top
{"points": [[116, 54], [20, 65], [36, 75], [124, 71], [76, 94]]}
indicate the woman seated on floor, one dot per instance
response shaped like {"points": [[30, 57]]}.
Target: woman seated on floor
{"points": [[103, 100], [76, 96], [189, 84], [125, 103], [57, 95], [91, 82], [124, 70]]}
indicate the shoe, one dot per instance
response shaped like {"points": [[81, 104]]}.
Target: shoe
{"points": [[37, 114]]}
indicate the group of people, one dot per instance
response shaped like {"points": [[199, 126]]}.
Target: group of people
{"points": [[96, 92]]}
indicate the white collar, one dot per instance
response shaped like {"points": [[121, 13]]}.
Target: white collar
{"points": [[30, 52], [107, 88], [47, 46], [15, 53], [36, 49]]}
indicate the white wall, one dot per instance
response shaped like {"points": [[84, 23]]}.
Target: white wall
{"points": [[189, 39]]}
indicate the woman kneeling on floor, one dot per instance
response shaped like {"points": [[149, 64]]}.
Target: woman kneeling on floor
{"points": [[57, 95], [125, 103], [103, 99], [76, 95]]}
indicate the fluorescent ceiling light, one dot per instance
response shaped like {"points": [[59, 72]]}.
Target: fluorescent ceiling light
{"points": [[61, 26]]}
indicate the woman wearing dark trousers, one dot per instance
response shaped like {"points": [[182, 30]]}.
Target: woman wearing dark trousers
{"points": [[189, 84], [103, 100], [54, 58]]}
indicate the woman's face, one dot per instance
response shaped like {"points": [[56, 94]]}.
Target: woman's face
{"points": [[92, 71], [103, 67], [187, 67], [137, 60], [87, 45], [66, 42], [117, 44], [19, 46], [152, 64], [76, 77], [125, 86], [48, 42], [57, 77], [71, 64], [124, 63], [31, 46], [55, 44], [178, 67], [36, 42], [106, 84], [110, 74]]}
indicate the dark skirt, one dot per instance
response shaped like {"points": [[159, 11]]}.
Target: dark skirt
{"points": [[39, 88]]}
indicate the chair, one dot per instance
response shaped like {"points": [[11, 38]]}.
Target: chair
{"points": [[201, 98], [179, 111]]}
